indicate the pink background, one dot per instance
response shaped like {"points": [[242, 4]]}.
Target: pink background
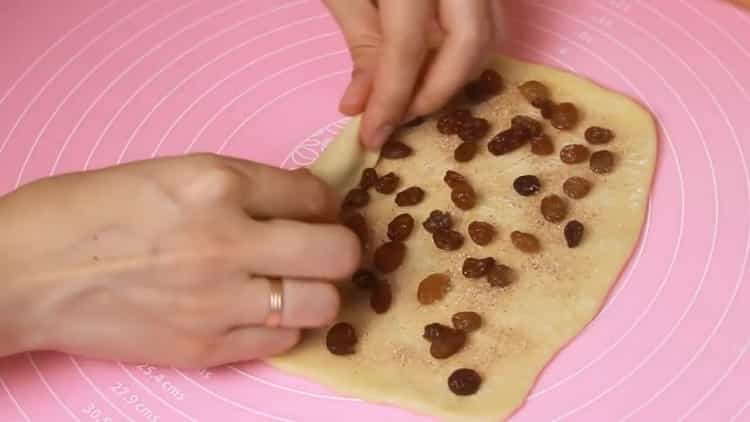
{"points": [[89, 83]]}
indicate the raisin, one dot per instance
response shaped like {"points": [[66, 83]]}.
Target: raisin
{"points": [[448, 240], [546, 108], [573, 233], [341, 339], [534, 91], [450, 123], [453, 179], [356, 223], [574, 154], [438, 220], [489, 84], [601, 162], [508, 140], [525, 242], [389, 256], [465, 152], [356, 198], [433, 288], [501, 276], [414, 122], [527, 185], [381, 298], [464, 382], [400, 227], [369, 177], [464, 197], [576, 187], [533, 126], [596, 135], [410, 196], [435, 331], [387, 184], [542, 145], [481, 233], [565, 116], [364, 279], [476, 268], [466, 321], [447, 344], [394, 150], [554, 209], [474, 129], [493, 80]]}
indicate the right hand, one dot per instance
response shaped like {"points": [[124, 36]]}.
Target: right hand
{"points": [[164, 261]]}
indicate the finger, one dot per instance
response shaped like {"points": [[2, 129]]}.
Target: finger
{"points": [[404, 25], [250, 343], [498, 22], [468, 34], [358, 91], [295, 249]]}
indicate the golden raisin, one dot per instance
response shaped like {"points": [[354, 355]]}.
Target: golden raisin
{"points": [[574, 154], [525, 242], [601, 162], [554, 209], [481, 233], [565, 116], [576, 187], [433, 288], [596, 135], [447, 344], [466, 321], [501, 276], [534, 91]]}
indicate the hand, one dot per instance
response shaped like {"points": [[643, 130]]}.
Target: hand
{"points": [[411, 56], [163, 261]]}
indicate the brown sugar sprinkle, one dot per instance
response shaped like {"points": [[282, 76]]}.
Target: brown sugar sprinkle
{"points": [[466, 321], [448, 240], [542, 145], [356, 198], [473, 129], [433, 288], [546, 107], [576, 187], [450, 123], [387, 184], [453, 179], [573, 233], [341, 339], [381, 297], [395, 150], [464, 382], [447, 344], [602, 162], [400, 227], [489, 84], [389, 256], [477, 268], [464, 197], [525, 242], [410, 196], [364, 279], [482, 233], [465, 152], [438, 220], [527, 185], [501, 276], [436, 330], [356, 223], [554, 209], [564, 116], [534, 91], [596, 135], [574, 154], [531, 125], [369, 177]]}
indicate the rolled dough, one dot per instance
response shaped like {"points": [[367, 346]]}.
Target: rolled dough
{"points": [[559, 290]]}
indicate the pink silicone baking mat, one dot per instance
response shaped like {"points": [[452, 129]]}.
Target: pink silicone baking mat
{"points": [[90, 83]]}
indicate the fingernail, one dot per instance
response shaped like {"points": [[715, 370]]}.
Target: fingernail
{"points": [[381, 135]]}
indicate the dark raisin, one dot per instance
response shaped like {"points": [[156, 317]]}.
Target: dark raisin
{"points": [[369, 177], [533, 126], [493, 79], [380, 297], [435, 331], [448, 344], [438, 220], [356, 223], [410, 196], [476, 268], [501, 276], [534, 91], [433, 288], [573, 233], [473, 130], [466, 321], [525, 242], [394, 150], [400, 227], [464, 197], [356, 198], [450, 123], [576, 187], [554, 209], [601, 162], [542, 145], [546, 108], [341, 339], [387, 184], [414, 122], [596, 135], [481, 233], [465, 152], [508, 140], [574, 154], [464, 382], [527, 185], [453, 179], [489, 84], [364, 279], [565, 116], [389, 256], [448, 240]]}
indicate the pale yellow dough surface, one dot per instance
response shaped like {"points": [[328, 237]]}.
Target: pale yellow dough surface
{"points": [[559, 291]]}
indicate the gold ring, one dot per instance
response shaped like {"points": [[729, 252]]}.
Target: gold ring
{"points": [[275, 302]]}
